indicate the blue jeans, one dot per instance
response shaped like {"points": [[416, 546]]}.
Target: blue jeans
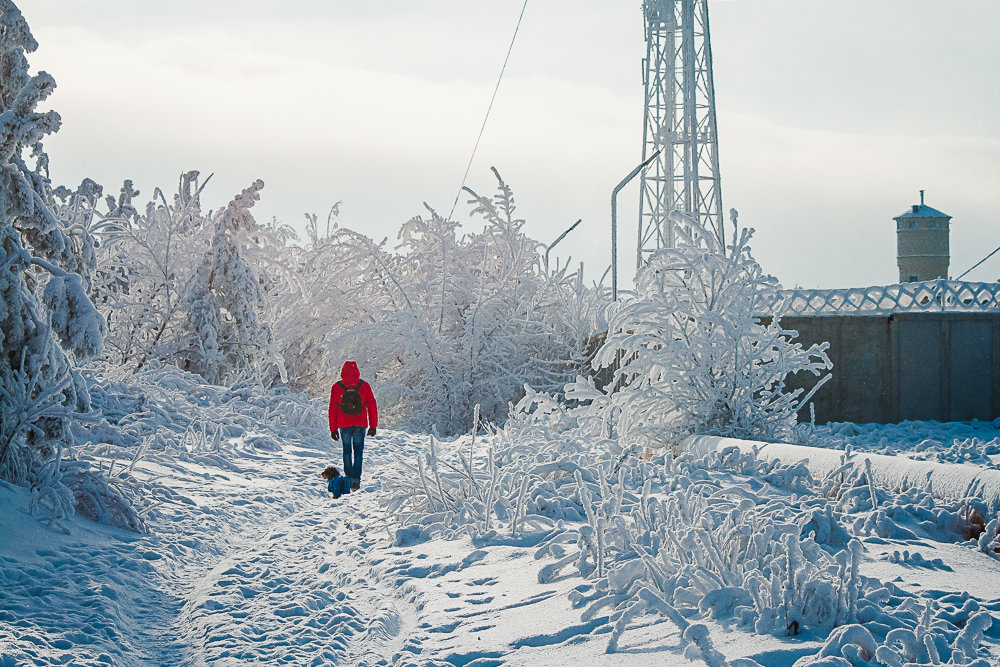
{"points": [[353, 438]]}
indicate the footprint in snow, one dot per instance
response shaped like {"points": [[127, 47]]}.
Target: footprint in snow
{"points": [[485, 600], [483, 582]]}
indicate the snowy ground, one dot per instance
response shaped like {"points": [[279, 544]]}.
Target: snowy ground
{"points": [[966, 442], [249, 562]]}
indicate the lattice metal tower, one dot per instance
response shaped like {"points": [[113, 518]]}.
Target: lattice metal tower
{"points": [[680, 118]]}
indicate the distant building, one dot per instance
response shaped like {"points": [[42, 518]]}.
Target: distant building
{"points": [[922, 251]]}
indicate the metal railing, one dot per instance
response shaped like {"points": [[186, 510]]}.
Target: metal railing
{"points": [[929, 296]]}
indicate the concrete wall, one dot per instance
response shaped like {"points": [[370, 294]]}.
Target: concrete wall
{"points": [[940, 366]]}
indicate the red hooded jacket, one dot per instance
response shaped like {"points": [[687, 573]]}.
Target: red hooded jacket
{"points": [[350, 376]]}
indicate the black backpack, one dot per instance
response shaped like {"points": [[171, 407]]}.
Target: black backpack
{"points": [[350, 401]]}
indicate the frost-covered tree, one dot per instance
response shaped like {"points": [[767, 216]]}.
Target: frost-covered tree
{"points": [[146, 267], [437, 298], [181, 286], [81, 223], [551, 314], [691, 353], [442, 322], [473, 319], [46, 316], [227, 332], [523, 323], [330, 302]]}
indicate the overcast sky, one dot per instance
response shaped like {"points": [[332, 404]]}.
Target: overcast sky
{"points": [[832, 115]]}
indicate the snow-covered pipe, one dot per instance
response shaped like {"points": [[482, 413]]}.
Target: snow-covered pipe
{"points": [[946, 480]]}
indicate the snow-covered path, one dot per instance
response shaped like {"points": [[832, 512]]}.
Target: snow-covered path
{"points": [[247, 563], [298, 588]]}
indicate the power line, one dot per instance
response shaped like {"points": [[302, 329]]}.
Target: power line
{"points": [[978, 263], [488, 110]]}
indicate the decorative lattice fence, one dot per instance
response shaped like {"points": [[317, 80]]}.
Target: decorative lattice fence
{"points": [[929, 296]]}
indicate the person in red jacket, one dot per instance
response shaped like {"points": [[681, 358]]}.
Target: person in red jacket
{"points": [[352, 408]]}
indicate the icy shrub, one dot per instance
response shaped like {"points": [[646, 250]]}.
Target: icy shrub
{"points": [[989, 540], [480, 318], [504, 488], [905, 513], [931, 641], [147, 260], [103, 496], [689, 353], [215, 315], [739, 555], [311, 281], [443, 322]]}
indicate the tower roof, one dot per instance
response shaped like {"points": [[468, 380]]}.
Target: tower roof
{"points": [[921, 211]]}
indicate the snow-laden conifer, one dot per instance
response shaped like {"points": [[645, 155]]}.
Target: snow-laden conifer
{"points": [[41, 255], [227, 333]]}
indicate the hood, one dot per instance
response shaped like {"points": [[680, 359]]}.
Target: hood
{"points": [[350, 373]]}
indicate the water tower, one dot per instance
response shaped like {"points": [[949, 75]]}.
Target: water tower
{"points": [[922, 243]]}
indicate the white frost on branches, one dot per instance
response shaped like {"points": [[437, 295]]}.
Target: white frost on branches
{"points": [[148, 261], [689, 352], [45, 260], [227, 332], [441, 323]]}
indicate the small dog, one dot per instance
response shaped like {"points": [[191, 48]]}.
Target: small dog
{"points": [[336, 484]]}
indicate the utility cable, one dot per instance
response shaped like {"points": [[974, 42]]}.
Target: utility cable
{"points": [[488, 110], [978, 263]]}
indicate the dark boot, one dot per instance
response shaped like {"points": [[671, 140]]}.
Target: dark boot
{"points": [[355, 485]]}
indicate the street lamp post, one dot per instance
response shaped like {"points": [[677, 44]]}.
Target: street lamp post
{"points": [[614, 221]]}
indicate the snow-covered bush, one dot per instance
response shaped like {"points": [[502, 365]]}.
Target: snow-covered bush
{"points": [[309, 285], [499, 486], [182, 286], [441, 323], [146, 262], [740, 555], [689, 352], [901, 513], [932, 641], [479, 318]]}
